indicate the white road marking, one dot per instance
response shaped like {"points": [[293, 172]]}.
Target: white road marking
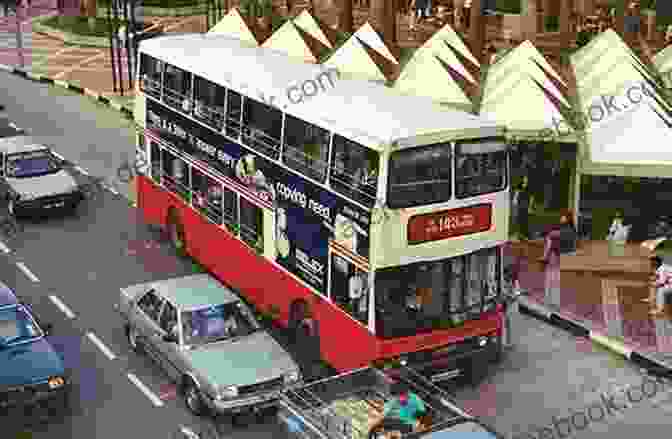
{"points": [[82, 170], [108, 353], [62, 306], [144, 389], [4, 247], [27, 271]]}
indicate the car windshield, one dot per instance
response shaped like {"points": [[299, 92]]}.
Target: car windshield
{"points": [[31, 164], [16, 325], [216, 323]]}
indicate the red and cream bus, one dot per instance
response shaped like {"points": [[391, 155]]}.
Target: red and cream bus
{"points": [[380, 216]]}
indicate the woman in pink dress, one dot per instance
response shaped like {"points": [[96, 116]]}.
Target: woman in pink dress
{"points": [[552, 267]]}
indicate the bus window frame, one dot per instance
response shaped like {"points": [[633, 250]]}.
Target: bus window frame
{"points": [[505, 174]]}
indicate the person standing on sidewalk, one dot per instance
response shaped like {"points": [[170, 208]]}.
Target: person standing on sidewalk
{"points": [[510, 301], [552, 267], [522, 204]]}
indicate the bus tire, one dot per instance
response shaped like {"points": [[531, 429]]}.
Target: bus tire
{"points": [[176, 232]]}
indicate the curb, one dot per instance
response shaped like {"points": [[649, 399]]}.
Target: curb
{"points": [[642, 360], [108, 101]]}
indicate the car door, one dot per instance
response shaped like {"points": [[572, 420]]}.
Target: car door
{"points": [[169, 352], [146, 321]]}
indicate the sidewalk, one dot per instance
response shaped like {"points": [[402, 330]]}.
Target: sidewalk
{"points": [[84, 69], [646, 342]]}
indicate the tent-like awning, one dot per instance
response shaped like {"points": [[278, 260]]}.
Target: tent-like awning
{"points": [[296, 43], [426, 74], [234, 25], [448, 34], [445, 44], [358, 59], [663, 63], [523, 91], [628, 117], [310, 25]]}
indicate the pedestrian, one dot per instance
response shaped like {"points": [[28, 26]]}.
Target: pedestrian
{"points": [[568, 233], [412, 15], [420, 9], [551, 261], [510, 302], [663, 285], [428, 9], [523, 203]]}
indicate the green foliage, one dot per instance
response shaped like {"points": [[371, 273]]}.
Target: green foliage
{"points": [[552, 23], [256, 8], [509, 6]]}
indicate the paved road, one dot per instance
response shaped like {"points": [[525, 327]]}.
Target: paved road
{"points": [[83, 261]]}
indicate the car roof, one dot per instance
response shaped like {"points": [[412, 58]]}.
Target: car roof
{"points": [[194, 291], [11, 145], [7, 296]]}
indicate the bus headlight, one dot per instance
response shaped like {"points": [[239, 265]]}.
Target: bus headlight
{"points": [[291, 377], [56, 382]]}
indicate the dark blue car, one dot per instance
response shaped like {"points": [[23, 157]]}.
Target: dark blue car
{"points": [[31, 371]]}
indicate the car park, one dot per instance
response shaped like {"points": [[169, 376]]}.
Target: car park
{"points": [[209, 342], [35, 179], [32, 373]]}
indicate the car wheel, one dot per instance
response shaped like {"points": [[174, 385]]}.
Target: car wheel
{"points": [[132, 335], [193, 399]]}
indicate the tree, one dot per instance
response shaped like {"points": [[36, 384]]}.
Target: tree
{"points": [[346, 21]]}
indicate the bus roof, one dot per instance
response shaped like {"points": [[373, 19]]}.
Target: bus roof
{"points": [[363, 111]]}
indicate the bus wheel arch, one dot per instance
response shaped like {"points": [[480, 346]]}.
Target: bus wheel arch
{"points": [[175, 229]]}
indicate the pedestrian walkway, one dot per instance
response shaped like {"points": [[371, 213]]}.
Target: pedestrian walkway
{"points": [[85, 68], [648, 337]]}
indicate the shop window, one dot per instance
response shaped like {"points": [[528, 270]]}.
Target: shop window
{"points": [[150, 75], [175, 175], [234, 104], [155, 158], [306, 148], [206, 195], [354, 170], [209, 99], [262, 126], [177, 88], [251, 224], [349, 288], [230, 208]]}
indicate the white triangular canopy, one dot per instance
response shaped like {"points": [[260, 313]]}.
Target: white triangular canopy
{"points": [[440, 48], [233, 25], [525, 52], [306, 22], [537, 114], [353, 61], [608, 42], [640, 134], [664, 56], [447, 33], [424, 75], [367, 34], [289, 40]]}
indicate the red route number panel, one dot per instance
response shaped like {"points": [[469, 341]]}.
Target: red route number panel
{"points": [[449, 223]]}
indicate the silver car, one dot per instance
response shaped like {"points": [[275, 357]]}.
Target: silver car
{"points": [[34, 178], [208, 341]]}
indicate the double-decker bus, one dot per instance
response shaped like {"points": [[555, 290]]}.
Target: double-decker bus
{"points": [[379, 217]]}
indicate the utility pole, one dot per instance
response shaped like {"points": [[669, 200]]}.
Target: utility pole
{"points": [[110, 5], [115, 16], [19, 36]]}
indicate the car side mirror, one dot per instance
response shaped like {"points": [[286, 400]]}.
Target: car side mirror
{"points": [[47, 328]]}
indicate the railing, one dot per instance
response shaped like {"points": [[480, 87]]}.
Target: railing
{"points": [[304, 163], [250, 236], [151, 86], [365, 192], [233, 125], [212, 116], [177, 100], [212, 210], [261, 141], [176, 186]]}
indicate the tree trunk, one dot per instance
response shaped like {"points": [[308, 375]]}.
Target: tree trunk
{"points": [[384, 17], [346, 21]]}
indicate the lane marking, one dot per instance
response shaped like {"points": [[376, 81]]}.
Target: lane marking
{"points": [[27, 271], [144, 389], [4, 247], [62, 306], [108, 353]]}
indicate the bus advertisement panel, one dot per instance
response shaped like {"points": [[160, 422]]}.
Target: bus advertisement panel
{"points": [[309, 220]]}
